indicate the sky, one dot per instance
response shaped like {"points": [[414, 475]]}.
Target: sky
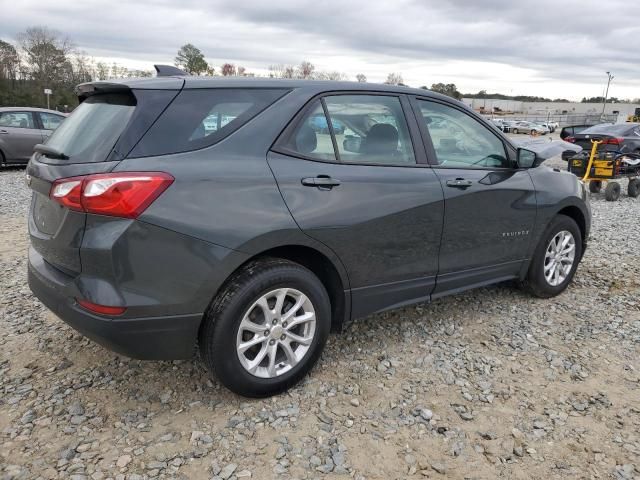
{"points": [[551, 48]]}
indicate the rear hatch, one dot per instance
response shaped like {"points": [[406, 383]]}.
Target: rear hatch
{"points": [[93, 139]]}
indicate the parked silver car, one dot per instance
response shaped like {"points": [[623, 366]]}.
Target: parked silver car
{"points": [[528, 127], [21, 128]]}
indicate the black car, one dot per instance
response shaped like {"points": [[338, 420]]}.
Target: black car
{"points": [[571, 130], [620, 137], [180, 210]]}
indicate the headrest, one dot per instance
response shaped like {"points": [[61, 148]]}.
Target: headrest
{"points": [[382, 138], [306, 140]]}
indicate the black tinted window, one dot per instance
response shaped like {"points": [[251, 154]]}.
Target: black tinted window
{"points": [[91, 131], [312, 137], [198, 118]]}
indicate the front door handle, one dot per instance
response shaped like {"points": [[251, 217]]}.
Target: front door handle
{"points": [[4, 132], [459, 183], [321, 181]]}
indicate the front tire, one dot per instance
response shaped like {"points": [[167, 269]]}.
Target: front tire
{"points": [[595, 186], [515, 130], [612, 192], [633, 189], [266, 328], [556, 258]]}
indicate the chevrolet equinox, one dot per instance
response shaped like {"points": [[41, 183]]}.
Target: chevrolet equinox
{"points": [[251, 217]]}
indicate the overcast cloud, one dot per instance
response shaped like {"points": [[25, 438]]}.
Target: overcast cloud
{"points": [[547, 47]]}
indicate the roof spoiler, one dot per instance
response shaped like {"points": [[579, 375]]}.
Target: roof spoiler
{"points": [[169, 71], [85, 90]]}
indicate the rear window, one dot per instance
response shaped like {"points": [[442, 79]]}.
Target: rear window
{"points": [[608, 129], [198, 118], [91, 131]]}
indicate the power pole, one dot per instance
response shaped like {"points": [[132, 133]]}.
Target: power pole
{"points": [[606, 93]]}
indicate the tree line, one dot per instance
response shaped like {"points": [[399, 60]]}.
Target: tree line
{"points": [[42, 59]]}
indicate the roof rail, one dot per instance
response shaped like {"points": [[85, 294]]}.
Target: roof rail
{"points": [[169, 71]]}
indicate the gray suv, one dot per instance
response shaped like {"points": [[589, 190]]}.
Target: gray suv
{"points": [[232, 214]]}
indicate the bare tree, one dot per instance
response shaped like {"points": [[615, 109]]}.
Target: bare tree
{"points": [[361, 77], [101, 71], [281, 71], [45, 52], [330, 76], [228, 70], [9, 61], [305, 70], [394, 79]]}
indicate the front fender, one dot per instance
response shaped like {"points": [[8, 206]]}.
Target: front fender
{"points": [[558, 191]]}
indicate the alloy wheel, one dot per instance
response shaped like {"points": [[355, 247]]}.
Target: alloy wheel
{"points": [[276, 332], [559, 258]]}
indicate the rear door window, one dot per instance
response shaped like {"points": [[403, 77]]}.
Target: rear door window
{"points": [[50, 121], [17, 120], [312, 138], [370, 129], [198, 118]]}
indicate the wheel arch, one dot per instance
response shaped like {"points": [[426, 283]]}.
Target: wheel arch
{"points": [[325, 269], [332, 276], [577, 216]]}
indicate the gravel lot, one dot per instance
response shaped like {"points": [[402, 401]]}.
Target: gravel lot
{"points": [[491, 383]]}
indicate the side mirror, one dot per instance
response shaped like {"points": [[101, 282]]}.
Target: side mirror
{"points": [[528, 159]]}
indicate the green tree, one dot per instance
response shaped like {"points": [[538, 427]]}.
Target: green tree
{"points": [[191, 60], [448, 89]]}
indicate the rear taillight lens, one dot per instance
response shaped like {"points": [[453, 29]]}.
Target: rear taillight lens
{"points": [[68, 192], [613, 141], [101, 309], [125, 194], [570, 140]]}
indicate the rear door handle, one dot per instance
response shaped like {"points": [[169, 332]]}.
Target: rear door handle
{"points": [[321, 181], [459, 183], [4, 132]]}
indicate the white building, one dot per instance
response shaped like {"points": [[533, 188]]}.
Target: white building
{"points": [[562, 112]]}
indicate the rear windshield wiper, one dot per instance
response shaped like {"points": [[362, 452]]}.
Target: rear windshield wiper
{"points": [[50, 152]]}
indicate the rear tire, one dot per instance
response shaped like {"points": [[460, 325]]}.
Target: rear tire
{"points": [[612, 192], [633, 190], [246, 310], [536, 281], [595, 186], [515, 130], [3, 160]]}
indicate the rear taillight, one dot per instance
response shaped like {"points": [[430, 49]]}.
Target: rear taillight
{"points": [[570, 140], [125, 194], [613, 141], [101, 309]]}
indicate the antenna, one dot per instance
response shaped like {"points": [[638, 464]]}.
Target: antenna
{"points": [[169, 71]]}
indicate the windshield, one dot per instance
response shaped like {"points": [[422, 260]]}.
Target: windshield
{"points": [[91, 131]]}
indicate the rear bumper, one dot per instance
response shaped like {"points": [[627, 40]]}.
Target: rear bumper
{"points": [[150, 338]]}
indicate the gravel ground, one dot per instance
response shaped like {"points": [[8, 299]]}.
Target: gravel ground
{"points": [[490, 383]]}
